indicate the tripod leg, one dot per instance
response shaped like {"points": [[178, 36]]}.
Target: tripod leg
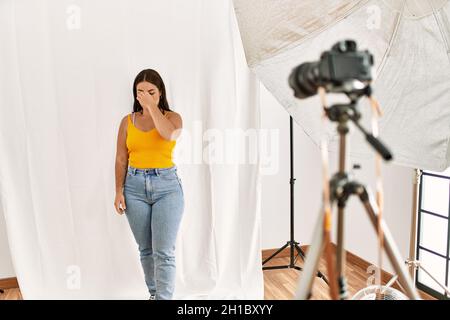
{"points": [[312, 261], [390, 247], [341, 254], [276, 253], [302, 254]]}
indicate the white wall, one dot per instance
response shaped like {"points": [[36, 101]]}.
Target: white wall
{"points": [[360, 236], [6, 267]]}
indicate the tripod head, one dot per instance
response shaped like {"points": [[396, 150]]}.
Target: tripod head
{"points": [[342, 113]]}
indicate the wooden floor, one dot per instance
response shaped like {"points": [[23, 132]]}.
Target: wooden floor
{"points": [[11, 294], [280, 284]]}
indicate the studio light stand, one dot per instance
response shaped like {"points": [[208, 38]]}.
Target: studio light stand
{"points": [[295, 250]]}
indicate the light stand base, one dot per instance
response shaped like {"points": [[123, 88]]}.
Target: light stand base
{"points": [[292, 263]]}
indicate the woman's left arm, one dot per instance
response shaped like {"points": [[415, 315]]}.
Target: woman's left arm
{"points": [[169, 127]]}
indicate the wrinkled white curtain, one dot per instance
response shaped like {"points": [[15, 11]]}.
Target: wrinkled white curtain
{"points": [[410, 40], [67, 69]]}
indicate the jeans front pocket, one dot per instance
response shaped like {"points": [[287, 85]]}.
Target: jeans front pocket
{"points": [[181, 185], [128, 177], [170, 175], [134, 184]]}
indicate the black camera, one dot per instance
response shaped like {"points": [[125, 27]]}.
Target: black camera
{"points": [[343, 69]]}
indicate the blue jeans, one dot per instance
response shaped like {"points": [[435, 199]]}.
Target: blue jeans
{"points": [[155, 202]]}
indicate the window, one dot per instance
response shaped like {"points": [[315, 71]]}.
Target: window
{"points": [[433, 241]]}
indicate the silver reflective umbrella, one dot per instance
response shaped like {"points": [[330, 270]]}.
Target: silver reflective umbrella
{"points": [[410, 40]]}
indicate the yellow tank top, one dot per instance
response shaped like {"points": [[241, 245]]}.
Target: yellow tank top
{"points": [[147, 149]]}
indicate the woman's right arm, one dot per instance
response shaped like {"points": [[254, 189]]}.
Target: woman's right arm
{"points": [[121, 165]]}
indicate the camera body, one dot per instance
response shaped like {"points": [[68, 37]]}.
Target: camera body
{"points": [[343, 69]]}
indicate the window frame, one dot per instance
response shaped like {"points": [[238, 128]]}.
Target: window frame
{"points": [[420, 212]]}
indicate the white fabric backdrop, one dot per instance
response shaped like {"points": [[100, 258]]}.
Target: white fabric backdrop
{"points": [[67, 71], [411, 43]]}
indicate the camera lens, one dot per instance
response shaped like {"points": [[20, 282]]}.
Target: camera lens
{"points": [[304, 80]]}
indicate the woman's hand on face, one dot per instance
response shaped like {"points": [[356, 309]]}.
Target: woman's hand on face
{"points": [[147, 100], [119, 203]]}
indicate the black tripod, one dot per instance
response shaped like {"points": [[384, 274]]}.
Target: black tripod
{"points": [[292, 244]]}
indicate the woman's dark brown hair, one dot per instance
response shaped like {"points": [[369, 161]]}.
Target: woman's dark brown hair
{"points": [[152, 76]]}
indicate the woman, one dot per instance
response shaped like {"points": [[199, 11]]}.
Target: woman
{"points": [[148, 189]]}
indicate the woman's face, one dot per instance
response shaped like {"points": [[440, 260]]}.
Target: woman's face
{"points": [[150, 88]]}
